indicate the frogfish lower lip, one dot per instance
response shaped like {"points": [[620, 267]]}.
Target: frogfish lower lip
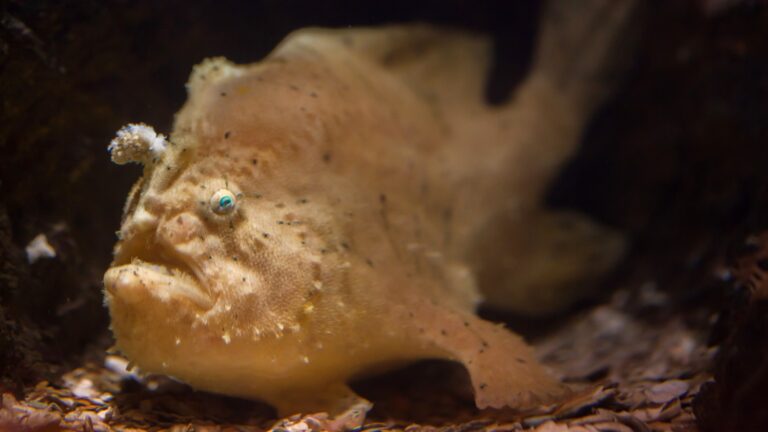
{"points": [[142, 280]]}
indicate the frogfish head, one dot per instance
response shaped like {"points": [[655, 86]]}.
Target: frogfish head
{"points": [[210, 267], [225, 266]]}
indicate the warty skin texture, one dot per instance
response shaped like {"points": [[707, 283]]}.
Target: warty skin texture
{"points": [[373, 187]]}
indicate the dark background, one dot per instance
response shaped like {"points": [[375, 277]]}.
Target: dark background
{"points": [[678, 159]]}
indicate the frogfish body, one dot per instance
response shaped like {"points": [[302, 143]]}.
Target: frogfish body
{"points": [[342, 206]]}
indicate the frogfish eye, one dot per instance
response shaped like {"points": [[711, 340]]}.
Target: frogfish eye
{"points": [[223, 202]]}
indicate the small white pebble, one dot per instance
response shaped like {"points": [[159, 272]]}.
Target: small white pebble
{"points": [[39, 248]]}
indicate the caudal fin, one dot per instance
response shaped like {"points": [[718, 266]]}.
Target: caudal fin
{"points": [[585, 46]]}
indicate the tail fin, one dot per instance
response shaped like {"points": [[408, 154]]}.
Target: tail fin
{"points": [[583, 51], [584, 47]]}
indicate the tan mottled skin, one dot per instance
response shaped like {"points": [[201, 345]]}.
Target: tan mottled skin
{"points": [[373, 186]]}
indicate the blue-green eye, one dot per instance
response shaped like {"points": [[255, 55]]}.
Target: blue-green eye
{"points": [[226, 202], [223, 202]]}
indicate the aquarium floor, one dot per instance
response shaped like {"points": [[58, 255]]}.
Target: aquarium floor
{"points": [[629, 374]]}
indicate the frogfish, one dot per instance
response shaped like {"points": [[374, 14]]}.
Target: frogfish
{"points": [[342, 207]]}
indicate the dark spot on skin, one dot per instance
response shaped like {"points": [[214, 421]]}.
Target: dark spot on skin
{"points": [[326, 157], [226, 134], [313, 94], [293, 87], [389, 58], [323, 251], [344, 245], [223, 94], [481, 351], [466, 324], [234, 258], [483, 386], [303, 201], [243, 279], [519, 360], [279, 205], [280, 222], [485, 344], [210, 256], [443, 332], [255, 161], [382, 198], [180, 220], [447, 214], [265, 235], [369, 262], [167, 167]]}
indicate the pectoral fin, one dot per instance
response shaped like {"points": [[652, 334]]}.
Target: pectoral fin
{"points": [[335, 407]]}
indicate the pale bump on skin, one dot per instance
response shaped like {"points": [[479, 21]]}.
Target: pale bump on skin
{"points": [[372, 186]]}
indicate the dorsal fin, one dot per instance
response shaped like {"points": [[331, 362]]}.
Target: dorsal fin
{"points": [[444, 65]]}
